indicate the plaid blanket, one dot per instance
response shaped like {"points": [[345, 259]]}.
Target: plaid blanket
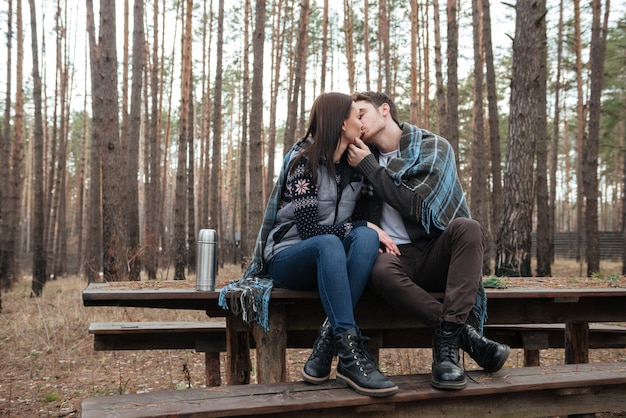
{"points": [[427, 166]]}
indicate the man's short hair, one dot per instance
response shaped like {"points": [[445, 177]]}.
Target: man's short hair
{"points": [[377, 99]]}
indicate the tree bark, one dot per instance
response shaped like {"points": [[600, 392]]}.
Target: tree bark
{"points": [[541, 182], [180, 204], [494, 133], [452, 128], [478, 192], [580, 133], [93, 252], [301, 48], [215, 212], [9, 268], [5, 152], [348, 29], [440, 91], [590, 156], [514, 237], [153, 177], [132, 198], [257, 195], [39, 249]]}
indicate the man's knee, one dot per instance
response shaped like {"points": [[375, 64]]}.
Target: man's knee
{"points": [[467, 229]]}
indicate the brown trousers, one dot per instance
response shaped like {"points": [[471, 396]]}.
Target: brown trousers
{"points": [[452, 265]]}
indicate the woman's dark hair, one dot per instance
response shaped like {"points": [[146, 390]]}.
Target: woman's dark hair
{"points": [[328, 113]]}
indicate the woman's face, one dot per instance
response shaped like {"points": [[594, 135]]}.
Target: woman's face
{"points": [[351, 125]]}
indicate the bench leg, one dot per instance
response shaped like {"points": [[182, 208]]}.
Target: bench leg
{"points": [[238, 364], [212, 368], [531, 358], [576, 342], [271, 348]]}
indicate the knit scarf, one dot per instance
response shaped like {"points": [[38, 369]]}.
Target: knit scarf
{"points": [[427, 166]]}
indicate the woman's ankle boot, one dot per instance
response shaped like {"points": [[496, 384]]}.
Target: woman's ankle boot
{"points": [[356, 368], [317, 368], [447, 374]]}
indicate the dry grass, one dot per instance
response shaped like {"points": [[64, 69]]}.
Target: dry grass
{"points": [[48, 363]]}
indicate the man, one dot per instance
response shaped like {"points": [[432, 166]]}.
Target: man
{"points": [[416, 197]]}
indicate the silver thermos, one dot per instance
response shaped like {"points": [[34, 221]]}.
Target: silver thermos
{"points": [[206, 267]]}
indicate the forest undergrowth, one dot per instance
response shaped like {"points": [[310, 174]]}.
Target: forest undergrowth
{"points": [[49, 366]]}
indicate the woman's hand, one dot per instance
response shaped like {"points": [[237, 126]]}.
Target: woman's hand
{"points": [[387, 243]]}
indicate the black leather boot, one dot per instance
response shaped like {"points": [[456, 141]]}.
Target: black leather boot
{"points": [[446, 372], [356, 368], [317, 368], [489, 354]]}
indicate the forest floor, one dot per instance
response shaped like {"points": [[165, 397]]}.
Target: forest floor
{"points": [[48, 365]]}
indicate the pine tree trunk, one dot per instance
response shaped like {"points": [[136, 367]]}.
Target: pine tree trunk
{"points": [[113, 236], [16, 162], [452, 128], [257, 197], [514, 237], [494, 133], [39, 249], [580, 118], [554, 152], [5, 152], [541, 183], [300, 61], [153, 179], [414, 116], [478, 194], [243, 205], [440, 91], [132, 197], [93, 252], [215, 212], [348, 29], [590, 156], [180, 203]]}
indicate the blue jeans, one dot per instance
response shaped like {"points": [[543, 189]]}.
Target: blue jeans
{"points": [[338, 269]]}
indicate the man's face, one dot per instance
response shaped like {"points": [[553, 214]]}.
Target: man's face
{"points": [[372, 120]]}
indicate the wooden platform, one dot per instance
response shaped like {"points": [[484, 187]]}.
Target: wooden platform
{"points": [[208, 337], [521, 392]]}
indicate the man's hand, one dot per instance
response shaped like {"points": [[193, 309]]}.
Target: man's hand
{"points": [[357, 151], [386, 242]]}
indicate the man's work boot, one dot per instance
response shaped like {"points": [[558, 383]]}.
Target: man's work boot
{"points": [[488, 354], [446, 372]]}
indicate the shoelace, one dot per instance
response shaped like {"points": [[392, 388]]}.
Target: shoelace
{"points": [[362, 356], [448, 351], [323, 346]]}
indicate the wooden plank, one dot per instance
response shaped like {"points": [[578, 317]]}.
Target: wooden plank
{"points": [[148, 326], [528, 391]]}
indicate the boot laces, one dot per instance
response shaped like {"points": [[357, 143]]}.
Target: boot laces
{"points": [[448, 348], [361, 354], [323, 347]]}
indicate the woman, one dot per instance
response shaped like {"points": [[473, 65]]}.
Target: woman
{"points": [[315, 244]]}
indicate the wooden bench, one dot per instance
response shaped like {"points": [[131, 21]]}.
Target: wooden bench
{"points": [[206, 337], [527, 391], [294, 313]]}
